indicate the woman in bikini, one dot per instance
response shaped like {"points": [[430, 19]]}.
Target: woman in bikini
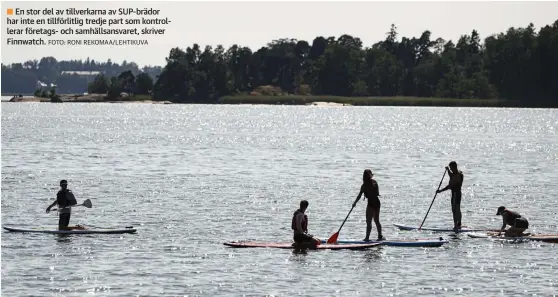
{"points": [[370, 190]]}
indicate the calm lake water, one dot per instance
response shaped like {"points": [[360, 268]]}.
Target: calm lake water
{"points": [[191, 177]]}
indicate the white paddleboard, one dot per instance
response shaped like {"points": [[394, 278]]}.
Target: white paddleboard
{"points": [[76, 231], [477, 235], [440, 229]]}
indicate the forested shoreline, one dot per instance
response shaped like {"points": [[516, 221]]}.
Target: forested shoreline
{"points": [[26, 77], [519, 66]]}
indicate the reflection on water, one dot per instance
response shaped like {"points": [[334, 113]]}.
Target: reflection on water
{"points": [[298, 256], [190, 177], [64, 238], [456, 237], [373, 254]]}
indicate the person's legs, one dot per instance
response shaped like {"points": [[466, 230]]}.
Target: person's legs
{"points": [[514, 232], [304, 241], [369, 216], [63, 221], [376, 215], [310, 241], [519, 226], [456, 209]]}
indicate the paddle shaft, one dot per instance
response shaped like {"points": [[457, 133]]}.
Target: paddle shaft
{"points": [[445, 170], [66, 207], [346, 219], [86, 203]]}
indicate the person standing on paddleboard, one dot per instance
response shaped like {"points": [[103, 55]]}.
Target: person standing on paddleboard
{"points": [[371, 191], [299, 224], [64, 198], [455, 183], [518, 224]]}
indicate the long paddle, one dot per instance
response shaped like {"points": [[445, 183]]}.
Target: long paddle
{"points": [[445, 170], [86, 203], [333, 238]]}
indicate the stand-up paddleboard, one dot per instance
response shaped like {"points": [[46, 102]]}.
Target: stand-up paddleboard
{"points": [[553, 238], [289, 245], [441, 229], [75, 231], [419, 242]]}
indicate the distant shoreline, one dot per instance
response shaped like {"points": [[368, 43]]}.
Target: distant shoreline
{"points": [[365, 101], [297, 100], [91, 98]]}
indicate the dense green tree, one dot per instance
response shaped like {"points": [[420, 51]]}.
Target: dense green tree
{"points": [[99, 86], [115, 88], [127, 82], [144, 84]]}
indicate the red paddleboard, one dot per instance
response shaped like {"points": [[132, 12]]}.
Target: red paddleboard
{"points": [[289, 245]]}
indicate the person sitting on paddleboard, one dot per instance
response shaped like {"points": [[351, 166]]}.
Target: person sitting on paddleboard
{"points": [[64, 198], [299, 225], [518, 224], [455, 183], [371, 191]]}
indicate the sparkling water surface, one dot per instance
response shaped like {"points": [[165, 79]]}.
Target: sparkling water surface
{"points": [[190, 177]]}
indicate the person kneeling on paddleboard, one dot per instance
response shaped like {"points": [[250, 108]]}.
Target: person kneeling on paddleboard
{"points": [[518, 224], [299, 225], [64, 198], [371, 191]]}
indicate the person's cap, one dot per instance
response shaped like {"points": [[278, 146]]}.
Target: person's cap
{"points": [[452, 163], [63, 182], [500, 210]]}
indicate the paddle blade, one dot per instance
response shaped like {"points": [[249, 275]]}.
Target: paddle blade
{"points": [[87, 203], [333, 238]]}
